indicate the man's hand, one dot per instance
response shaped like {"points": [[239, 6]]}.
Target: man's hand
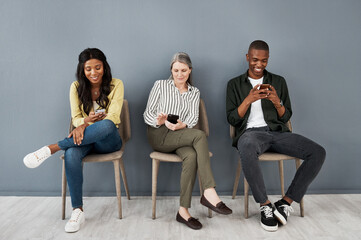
{"points": [[256, 94], [179, 125], [273, 97]]}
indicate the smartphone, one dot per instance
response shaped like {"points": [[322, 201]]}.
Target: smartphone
{"points": [[172, 118], [100, 111], [265, 86]]}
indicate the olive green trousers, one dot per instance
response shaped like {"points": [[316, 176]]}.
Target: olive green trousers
{"points": [[191, 146]]}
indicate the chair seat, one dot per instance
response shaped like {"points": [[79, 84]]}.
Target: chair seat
{"points": [[271, 156], [106, 157], [94, 157], [168, 157]]}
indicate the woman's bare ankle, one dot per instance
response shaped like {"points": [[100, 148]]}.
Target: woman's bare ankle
{"points": [[184, 213], [54, 148], [211, 195]]}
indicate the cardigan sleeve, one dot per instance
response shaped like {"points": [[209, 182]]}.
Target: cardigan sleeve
{"points": [[115, 97], [75, 106]]}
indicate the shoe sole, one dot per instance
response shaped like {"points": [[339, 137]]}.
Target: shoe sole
{"points": [[279, 217], [269, 228]]}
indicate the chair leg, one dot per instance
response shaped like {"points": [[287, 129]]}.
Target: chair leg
{"points": [[282, 179], [118, 187], [155, 169], [63, 191], [202, 192], [124, 176], [246, 187], [236, 180], [302, 209]]}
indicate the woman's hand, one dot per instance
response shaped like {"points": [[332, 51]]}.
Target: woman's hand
{"points": [[162, 117], [174, 127], [94, 117], [78, 134]]}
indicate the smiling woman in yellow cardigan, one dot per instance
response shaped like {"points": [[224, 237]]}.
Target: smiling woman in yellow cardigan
{"points": [[112, 109], [96, 100]]}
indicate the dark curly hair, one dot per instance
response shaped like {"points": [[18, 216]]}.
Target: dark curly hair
{"points": [[84, 88]]}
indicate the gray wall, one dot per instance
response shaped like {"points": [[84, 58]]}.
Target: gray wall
{"points": [[315, 45]]}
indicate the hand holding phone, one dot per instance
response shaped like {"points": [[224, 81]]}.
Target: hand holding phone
{"points": [[100, 114], [172, 118], [100, 111], [265, 87]]}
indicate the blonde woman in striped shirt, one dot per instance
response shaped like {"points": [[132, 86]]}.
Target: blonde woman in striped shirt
{"points": [[177, 96]]}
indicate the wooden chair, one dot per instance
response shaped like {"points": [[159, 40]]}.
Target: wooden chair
{"points": [[115, 157], [267, 156], [157, 157]]}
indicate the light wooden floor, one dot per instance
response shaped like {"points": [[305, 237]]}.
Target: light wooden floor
{"points": [[326, 217]]}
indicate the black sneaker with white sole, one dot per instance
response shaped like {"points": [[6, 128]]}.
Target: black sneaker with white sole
{"points": [[268, 221], [282, 211]]}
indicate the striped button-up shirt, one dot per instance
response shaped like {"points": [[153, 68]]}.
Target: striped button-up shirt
{"points": [[166, 98]]}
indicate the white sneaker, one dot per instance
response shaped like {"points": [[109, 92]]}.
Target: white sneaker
{"points": [[34, 159], [76, 219]]}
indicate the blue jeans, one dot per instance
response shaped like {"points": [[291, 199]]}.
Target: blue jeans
{"points": [[255, 141], [100, 137]]}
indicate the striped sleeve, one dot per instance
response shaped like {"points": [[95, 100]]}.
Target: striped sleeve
{"points": [[150, 113], [191, 119]]}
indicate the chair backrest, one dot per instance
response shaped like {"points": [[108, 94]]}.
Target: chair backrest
{"points": [[124, 126], [203, 119], [232, 130]]}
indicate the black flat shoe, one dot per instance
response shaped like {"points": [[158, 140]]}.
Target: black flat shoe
{"points": [[219, 208], [192, 222]]}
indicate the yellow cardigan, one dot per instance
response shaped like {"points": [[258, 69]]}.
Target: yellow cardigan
{"points": [[113, 109]]}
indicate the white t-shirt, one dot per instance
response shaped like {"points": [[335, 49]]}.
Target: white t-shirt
{"points": [[95, 105], [256, 118]]}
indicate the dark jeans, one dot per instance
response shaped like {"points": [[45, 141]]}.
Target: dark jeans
{"points": [[255, 141], [100, 137]]}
